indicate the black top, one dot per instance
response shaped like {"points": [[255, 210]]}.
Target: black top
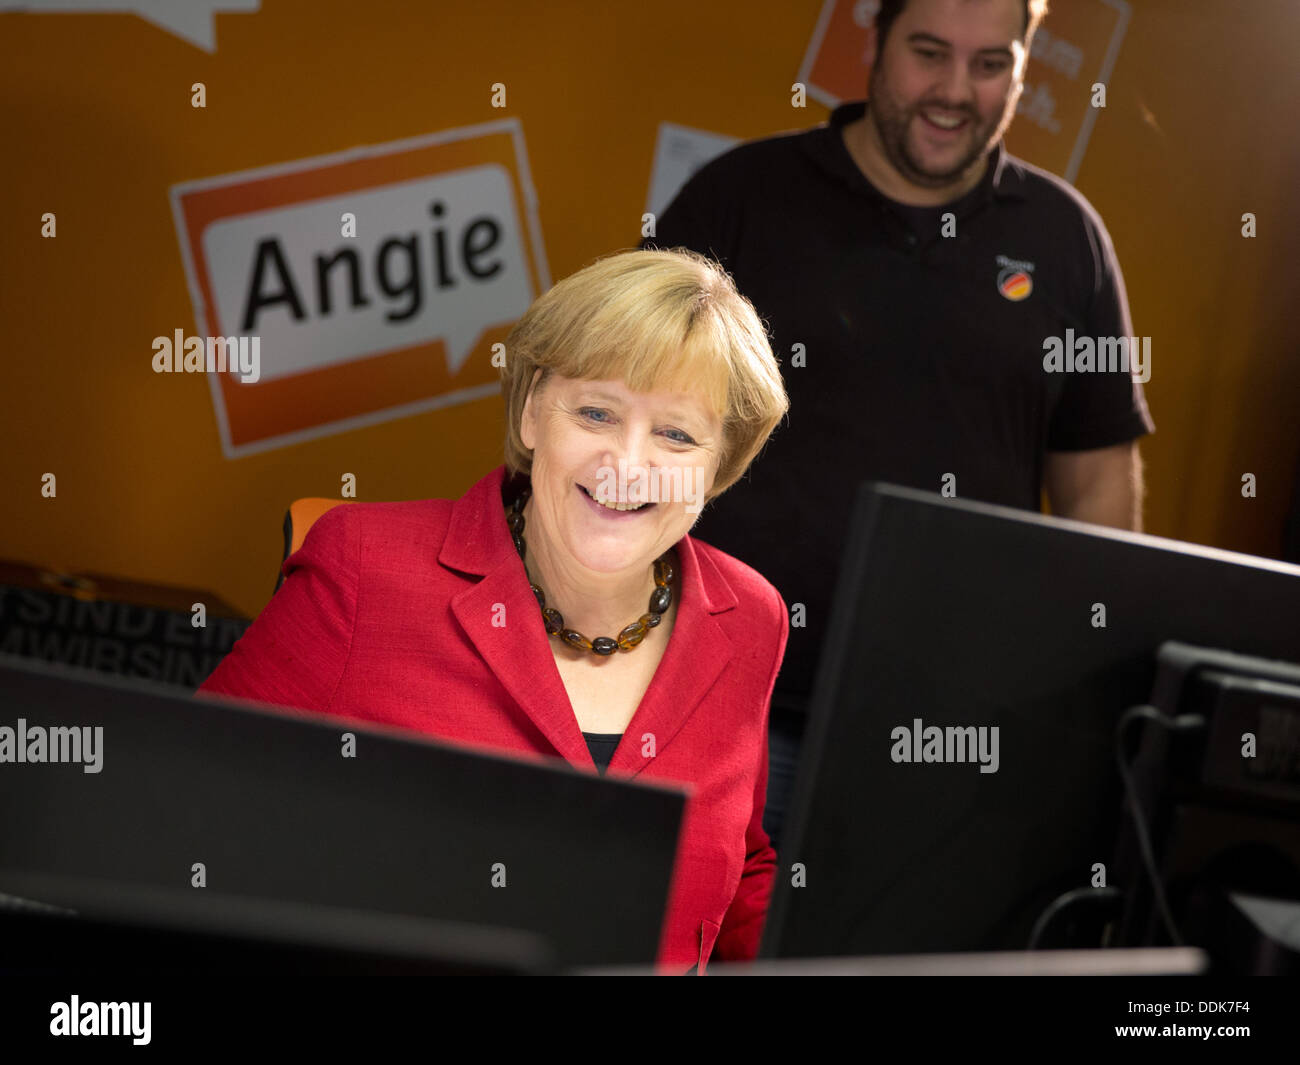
{"points": [[905, 353], [601, 745]]}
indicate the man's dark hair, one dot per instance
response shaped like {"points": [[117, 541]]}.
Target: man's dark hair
{"points": [[891, 9]]}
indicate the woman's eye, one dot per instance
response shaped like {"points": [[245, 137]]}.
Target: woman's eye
{"points": [[594, 414], [678, 437]]}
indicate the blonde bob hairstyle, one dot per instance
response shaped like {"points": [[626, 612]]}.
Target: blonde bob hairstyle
{"points": [[656, 320]]}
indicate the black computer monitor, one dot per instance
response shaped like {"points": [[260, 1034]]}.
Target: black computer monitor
{"points": [[221, 799], [1211, 844], [108, 930], [961, 618]]}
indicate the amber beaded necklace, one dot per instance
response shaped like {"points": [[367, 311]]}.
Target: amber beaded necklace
{"points": [[660, 599]]}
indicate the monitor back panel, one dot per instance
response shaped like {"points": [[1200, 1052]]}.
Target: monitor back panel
{"points": [[959, 614], [264, 804]]}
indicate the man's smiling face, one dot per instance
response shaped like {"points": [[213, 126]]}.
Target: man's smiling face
{"points": [[945, 85]]}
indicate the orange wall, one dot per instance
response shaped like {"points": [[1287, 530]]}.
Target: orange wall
{"points": [[1198, 130]]}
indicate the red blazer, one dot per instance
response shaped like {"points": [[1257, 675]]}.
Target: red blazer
{"points": [[386, 615]]}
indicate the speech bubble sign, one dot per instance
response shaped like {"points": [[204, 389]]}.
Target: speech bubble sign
{"points": [[404, 279], [377, 279], [194, 21]]}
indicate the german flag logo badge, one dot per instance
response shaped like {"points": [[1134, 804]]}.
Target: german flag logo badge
{"points": [[1015, 285]]}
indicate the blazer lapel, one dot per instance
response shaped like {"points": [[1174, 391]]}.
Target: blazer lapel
{"points": [[519, 653], [698, 651], [499, 614]]}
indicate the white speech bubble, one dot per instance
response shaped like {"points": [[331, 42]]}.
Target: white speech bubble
{"points": [[453, 305], [194, 21]]}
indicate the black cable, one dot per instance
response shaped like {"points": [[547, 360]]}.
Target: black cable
{"points": [[1063, 900], [1183, 723]]}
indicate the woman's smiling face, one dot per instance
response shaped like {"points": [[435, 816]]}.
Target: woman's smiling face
{"points": [[595, 441]]}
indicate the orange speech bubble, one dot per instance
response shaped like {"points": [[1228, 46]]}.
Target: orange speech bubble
{"points": [[376, 279]]}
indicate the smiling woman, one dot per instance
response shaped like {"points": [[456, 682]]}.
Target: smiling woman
{"points": [[656, 321], [561, 607]]}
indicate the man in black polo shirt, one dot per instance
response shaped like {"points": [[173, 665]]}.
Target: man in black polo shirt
{"points": [[912, 273]]}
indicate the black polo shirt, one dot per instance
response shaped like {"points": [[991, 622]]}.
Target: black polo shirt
{"points": [[922, 353]]}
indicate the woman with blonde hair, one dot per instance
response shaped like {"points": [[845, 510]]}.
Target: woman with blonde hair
{"points": [[560, 607]]}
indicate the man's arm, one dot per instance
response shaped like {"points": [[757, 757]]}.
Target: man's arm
{"points": [[1088, 475], [1103, 486]]}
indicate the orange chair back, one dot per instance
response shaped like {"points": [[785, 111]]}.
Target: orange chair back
{"points": [[299, 518]]}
